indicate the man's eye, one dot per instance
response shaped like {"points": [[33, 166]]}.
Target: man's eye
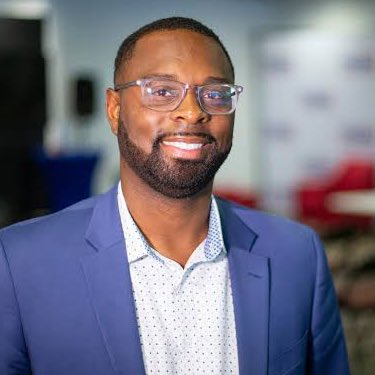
{"points": [[215, 95], [218, 95], [163, 92]]}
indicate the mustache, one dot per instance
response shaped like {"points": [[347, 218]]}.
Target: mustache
{"points": [[207, 137]]}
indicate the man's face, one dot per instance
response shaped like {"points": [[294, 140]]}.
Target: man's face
{"points": [[177, 153]]}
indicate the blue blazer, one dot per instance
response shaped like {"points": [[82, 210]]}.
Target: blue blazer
{"points": [[66, 304]]}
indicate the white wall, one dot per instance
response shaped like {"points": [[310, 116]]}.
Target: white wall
{"points": [[317, 110]]}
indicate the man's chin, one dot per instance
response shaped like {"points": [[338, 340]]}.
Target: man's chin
{"points": [[183, 179], [182, 192]]}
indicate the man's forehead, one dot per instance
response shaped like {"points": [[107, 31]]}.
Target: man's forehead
{"points": [[180, 45]]}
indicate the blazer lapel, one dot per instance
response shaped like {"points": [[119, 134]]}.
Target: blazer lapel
{"points": [[108, 279], [249, 275]]}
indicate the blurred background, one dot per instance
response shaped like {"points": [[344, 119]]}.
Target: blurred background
{"points": [[304, 143]]}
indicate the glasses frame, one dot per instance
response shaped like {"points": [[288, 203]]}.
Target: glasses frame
{"points": [[185, 86]]}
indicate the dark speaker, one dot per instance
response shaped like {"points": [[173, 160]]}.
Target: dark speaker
{"points": [[84, 96]]}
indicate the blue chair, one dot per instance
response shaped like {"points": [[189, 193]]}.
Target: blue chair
{"points": [[68, 177]]}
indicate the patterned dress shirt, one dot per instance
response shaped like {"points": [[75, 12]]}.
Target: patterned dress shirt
{"points": [[185, 315]]}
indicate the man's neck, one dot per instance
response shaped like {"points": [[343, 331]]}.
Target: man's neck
{"points": [[173, 227]]}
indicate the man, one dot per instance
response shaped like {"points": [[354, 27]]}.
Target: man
{"points": [[157, 276]]}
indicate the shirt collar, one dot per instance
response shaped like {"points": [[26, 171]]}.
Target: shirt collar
{"points": [[214, 242], [137, 247]]}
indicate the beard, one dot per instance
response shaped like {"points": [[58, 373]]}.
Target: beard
{"points": [[173, 178]]}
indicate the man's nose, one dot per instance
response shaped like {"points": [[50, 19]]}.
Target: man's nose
{"points": [[190, 110]]}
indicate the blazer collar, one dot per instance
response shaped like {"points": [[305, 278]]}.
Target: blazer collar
{"points": [[104, 228], [249, 273]]}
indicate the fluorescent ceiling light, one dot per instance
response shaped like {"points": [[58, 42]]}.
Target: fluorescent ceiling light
{"points": [[24, 9]]}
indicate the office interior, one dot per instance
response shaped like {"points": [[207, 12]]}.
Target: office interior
{"points": [[304, 139]]}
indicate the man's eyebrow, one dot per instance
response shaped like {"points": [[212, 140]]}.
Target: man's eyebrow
{"points": [[210, 79], [161, 76], [217, 80]]}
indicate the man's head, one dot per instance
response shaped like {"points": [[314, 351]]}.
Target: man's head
{"points": [[176, 150], [127, 47]]}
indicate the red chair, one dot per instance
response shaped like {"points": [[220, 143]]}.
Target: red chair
{"points": [[311, 196]]}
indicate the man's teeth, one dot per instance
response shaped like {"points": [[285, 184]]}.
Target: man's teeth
{"points": [[184, 146]]}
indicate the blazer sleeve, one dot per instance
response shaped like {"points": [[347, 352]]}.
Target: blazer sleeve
{"points": [[328, 353], [13, 353]]}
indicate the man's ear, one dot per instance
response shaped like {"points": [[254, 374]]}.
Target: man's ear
{"points": [[113, 109]]}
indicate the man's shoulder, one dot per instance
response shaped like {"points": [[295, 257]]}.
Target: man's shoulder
{"points": [[68, 222], [281, 239]]}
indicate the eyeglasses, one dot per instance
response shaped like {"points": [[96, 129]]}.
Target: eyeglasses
{"points": [[166, 95]]}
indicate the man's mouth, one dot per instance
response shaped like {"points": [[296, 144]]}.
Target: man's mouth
{"points": [[183, 145]]}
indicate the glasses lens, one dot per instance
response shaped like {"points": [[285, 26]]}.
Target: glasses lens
{"points": [[218, 99], [161, 95]]}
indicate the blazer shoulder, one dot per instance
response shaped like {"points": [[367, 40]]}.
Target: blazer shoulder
{"points": [[56, 226], [278, 238], [261, 221]]}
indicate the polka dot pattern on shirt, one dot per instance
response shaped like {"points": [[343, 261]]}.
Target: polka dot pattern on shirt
{"points": [[185, 315]]}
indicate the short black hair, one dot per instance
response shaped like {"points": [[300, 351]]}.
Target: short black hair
{"points": [[126, 48]]}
